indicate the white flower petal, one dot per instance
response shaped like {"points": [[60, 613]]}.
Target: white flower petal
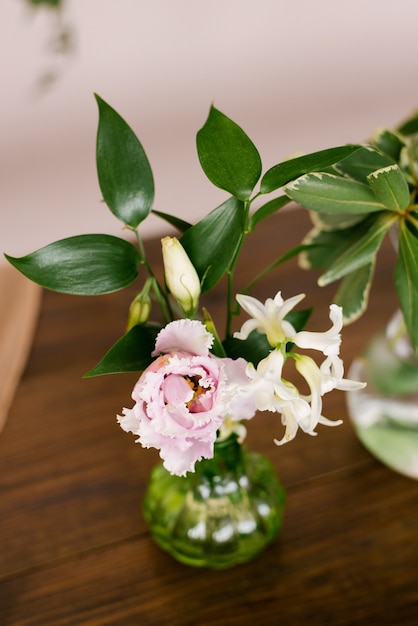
{"points": [[327, 342], [268, 318]]}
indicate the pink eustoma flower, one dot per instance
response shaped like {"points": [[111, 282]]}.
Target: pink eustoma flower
{"points": [[182, 398]]}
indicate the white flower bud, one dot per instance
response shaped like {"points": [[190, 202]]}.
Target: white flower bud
{"points": [[180, 275]]}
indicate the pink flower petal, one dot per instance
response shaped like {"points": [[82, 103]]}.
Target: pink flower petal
{"points": [[184, 336]]}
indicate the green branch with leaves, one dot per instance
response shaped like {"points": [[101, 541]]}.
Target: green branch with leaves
{"points": [[357, 192]]}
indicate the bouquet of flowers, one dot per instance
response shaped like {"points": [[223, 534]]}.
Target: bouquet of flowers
{"points": [[197, 385]]}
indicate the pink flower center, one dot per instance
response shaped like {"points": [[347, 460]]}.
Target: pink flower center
{"points": [[202, 397], [187, 390]]}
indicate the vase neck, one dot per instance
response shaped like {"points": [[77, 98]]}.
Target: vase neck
{"points": [[227, 457]]}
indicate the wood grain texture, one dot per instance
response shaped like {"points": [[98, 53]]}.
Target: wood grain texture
{"points": [[74, 549], [19, 306]]}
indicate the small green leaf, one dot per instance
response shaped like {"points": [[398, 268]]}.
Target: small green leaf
{"points": [[361, 163], [353, 293], [82, 265], [390, 187], [217, 347], [360, 252], [410, 125], [178, 223], [124, 173], [266, 210], [284, 172], [253, 349], [212, 242], [406, 279], [328, 193], [228, 156], [389, 142], [131, 353]]}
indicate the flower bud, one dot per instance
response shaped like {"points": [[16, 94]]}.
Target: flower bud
{"points": [[140, 308], [180, 275]]}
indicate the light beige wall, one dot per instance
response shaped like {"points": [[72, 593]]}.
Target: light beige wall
{"points": [[296, 74]]}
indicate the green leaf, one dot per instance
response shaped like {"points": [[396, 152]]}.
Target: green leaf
{"points": [[124, 173], [266, 210], [217, 347], [360, 252], [390, 187], [299, 319], [335, 221], [228, 156], [284, 172], [328, 193], [325, 246], [353, 293], [406, 279], [253, 349], [131, 353], [178, 223], [82, 265], [212, 242], [410, 125], [389, 142], [360, 164]]}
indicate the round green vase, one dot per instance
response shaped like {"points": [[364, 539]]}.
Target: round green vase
{"points": [[223, 514], [385, 412]]}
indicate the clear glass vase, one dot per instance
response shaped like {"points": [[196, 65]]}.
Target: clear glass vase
{"points": [[385, 412], [223, 514]]}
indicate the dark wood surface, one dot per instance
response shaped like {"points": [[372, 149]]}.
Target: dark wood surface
{"points": [[74, 548]]}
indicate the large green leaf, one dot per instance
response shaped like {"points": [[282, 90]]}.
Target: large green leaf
{"points": [[406, 279], [353, 293], [212, 242], [124, 173], [228, 156], [328, 193], [131, 353], [361, 250], [361, 163], [82, 265], [284, 172], [390, 187]]}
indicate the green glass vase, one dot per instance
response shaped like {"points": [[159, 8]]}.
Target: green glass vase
{"points": [[385, 412], [223, 514]]}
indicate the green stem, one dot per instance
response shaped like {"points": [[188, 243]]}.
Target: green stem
{"points": [[160, 293], [285, 257], [231, 270], [412, 217]]}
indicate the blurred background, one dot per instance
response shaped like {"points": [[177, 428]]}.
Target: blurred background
{"points": [[297, 76]]}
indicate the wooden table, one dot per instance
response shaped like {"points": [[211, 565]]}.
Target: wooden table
{"points": [[74, 547]]}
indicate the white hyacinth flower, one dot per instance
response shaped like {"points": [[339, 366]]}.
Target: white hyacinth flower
{"points": [[271, 391], [268, 318]]}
